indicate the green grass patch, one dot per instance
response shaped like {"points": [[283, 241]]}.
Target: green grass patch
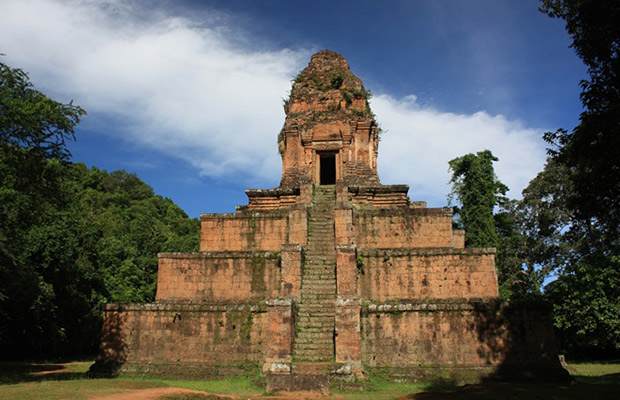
{"points": [[47, 381], [593, 369], [242, 386], [73, 389], [190, 396]]}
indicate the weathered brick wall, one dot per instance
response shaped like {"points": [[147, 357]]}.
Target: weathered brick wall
{"points": [[410, 338], [184, 339], [426, 273], [403, 228], [262, 231], [218, 276], [384, 196]]}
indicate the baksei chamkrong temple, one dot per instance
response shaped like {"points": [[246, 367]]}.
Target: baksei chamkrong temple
{"points": [[330, 276]]}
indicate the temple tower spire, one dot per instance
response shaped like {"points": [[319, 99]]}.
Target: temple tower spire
{"points": [[330, 134]]}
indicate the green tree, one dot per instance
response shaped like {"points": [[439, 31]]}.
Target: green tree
{"points": [[587, 308], [33, 134], [71, 238], [533, 233], [29, 119], [587, 292], [478, 191], [592, 150]]}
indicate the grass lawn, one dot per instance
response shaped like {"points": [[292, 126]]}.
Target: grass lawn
{"points": [[46, 381]]}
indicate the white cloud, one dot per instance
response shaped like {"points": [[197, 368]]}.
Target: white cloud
{"points": [[420, 141], [181, 85]]}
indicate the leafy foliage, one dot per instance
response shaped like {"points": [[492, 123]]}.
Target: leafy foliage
{"points": [[592, 149], [478, 190], [534, 231], [94, 241], [587, 308], [580, 228], [71, 238], [29, 119]]}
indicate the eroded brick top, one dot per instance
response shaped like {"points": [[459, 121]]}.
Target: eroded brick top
{"points": [[327, 114]]}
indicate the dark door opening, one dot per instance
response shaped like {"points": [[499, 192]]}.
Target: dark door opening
{"points": [[328, 169]]}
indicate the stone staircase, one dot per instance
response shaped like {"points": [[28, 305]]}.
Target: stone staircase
{"points": [[314, 336]]}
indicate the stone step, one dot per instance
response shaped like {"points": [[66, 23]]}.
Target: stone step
{"points": [[315, 313], [315, 331], [312, 311], [317, 269], [318, 299], [317, 308], [310, 337], [313, 316], [322, 328], [319, 273], [314, 356], [315, 322], [325, 276], [313, 271], [311, 287], [317, 296], [318, 276], [319, 283], [318, 318], [317, 344], [318, 289], [323, 291], [305, 351], [308, 318], [320, 268], [311, 368], [307, 335], [326, 256], [328, 304], [322, 276]]}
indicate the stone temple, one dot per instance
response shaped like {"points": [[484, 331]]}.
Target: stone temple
{"points": [[330, 276]]}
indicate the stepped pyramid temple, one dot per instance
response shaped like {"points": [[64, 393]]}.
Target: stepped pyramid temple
{"points": [[331, 276]]}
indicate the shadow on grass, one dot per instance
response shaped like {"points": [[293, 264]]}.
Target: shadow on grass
{"points": [[603, 387], [19, 372]]}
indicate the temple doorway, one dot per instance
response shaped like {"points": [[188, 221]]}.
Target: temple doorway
{"points": [[328, 169]]}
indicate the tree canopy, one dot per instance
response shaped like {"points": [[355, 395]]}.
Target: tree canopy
{"points": [[586, 295], [478, 191], [71, 238], [591, 150], [30, 119]]}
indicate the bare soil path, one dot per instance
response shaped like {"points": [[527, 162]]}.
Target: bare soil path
{"points": [[155, 394], [158, 393]]}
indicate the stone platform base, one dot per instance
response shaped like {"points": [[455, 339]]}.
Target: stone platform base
{"points": [[294, 383], [472, 374]]}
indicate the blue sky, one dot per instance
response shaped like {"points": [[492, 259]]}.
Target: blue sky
{"points": [[188, 94]]}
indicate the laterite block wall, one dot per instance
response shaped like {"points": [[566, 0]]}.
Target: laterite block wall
{"points": [[427, 273], [403, 228], [186, 340], [262, 231], [409, 338], [218, 276]]}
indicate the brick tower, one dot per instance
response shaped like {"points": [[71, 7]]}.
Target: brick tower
{"points": [[331, 275]]}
